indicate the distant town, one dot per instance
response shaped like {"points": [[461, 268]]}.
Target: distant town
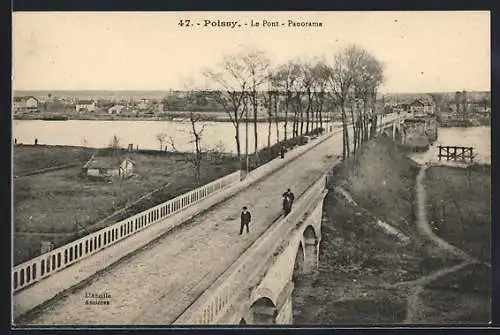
{"points": [[456, 108]]}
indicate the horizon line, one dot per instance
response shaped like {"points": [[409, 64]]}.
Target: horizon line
{"points": [[211, 89]]}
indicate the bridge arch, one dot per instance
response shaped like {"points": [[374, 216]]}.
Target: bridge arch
{"points": [[310, 239], [263, 311], [298, 267]]}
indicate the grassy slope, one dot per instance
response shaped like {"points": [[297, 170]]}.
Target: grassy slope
{"points": [[356, 258], [459, 211], [382, 180]]}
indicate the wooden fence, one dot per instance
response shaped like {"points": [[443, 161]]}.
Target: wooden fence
{"points": [[463, 154]]}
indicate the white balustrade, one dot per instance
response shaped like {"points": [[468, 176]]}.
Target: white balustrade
{"points": [[48, 263]]}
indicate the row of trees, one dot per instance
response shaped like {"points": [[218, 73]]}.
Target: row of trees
{"points": [[305, 91]]}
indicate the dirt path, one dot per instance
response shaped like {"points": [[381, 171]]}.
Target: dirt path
{"points": [[414, 302]]}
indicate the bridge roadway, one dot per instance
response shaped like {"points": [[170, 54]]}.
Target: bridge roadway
{"points": [[159, 282]]}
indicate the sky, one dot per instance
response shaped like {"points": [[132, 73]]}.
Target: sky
{"points": [[421, 51]]}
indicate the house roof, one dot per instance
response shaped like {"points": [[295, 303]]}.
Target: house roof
{"points": [[84, 102], [420, 102], [20, 99], [106, 162]]}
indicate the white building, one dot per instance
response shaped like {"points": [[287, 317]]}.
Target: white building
{"points": [[85, 106]]}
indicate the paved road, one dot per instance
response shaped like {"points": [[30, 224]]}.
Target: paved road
{"points": [[159, 282]]}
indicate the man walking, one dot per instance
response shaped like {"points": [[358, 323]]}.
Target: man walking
{"points": [[290, 196], [287, 204], [246, 217]]}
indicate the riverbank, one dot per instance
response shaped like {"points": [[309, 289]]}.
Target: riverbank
{"points": [[368, 277], [202, 116], [476, 122]]}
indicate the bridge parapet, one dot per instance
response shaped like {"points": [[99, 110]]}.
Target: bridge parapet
{"points": [[38, 268], [250, 268]]}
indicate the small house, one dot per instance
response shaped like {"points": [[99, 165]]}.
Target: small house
{"points": [[116, 109], [25, 104], [85, 106], [421, 107], [143, 104], [109, 167]]}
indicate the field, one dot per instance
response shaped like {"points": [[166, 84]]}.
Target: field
{"points": [[460, 208], [61, 205], [28, 158]]}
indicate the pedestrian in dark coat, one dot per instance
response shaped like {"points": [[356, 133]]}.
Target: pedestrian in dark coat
{"points": [[282, 152], [287, 204], [290, 195], [246, 217]]}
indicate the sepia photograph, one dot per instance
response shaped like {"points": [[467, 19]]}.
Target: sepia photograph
{"points": [[300, 168]]}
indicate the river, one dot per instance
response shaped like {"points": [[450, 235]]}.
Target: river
{"points": [[477, 137], [99, 134]]}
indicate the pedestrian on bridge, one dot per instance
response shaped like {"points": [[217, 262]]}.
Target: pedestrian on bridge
{"points": [[287, 204], [246, 217], [282, 152], [290, 195]]}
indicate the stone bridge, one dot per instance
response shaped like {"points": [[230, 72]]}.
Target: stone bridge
{"points": [[412, 131], [257, 288], [200, 272]]}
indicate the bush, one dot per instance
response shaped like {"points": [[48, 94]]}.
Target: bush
{"points": [[266, 155]]}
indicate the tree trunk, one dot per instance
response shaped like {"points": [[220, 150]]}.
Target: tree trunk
{"points": [[285, 124], [295, 119], [299, 106], [320, 111], [355, 129], [345, 134], [255, 129], [276, 117], [245, 106], [269, 119], [308, 111]]}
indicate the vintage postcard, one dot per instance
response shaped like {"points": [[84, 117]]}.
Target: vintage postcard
{"points": [[216, 168]]}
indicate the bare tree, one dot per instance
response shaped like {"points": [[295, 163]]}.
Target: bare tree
{"points": [[320, 75], [231, 76], [161, 137], [257, 64], [308, 85], [458, 97], [341, 80], [284, 78], [268, 99], [114, 145], [197, 132], [369, 76]]}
